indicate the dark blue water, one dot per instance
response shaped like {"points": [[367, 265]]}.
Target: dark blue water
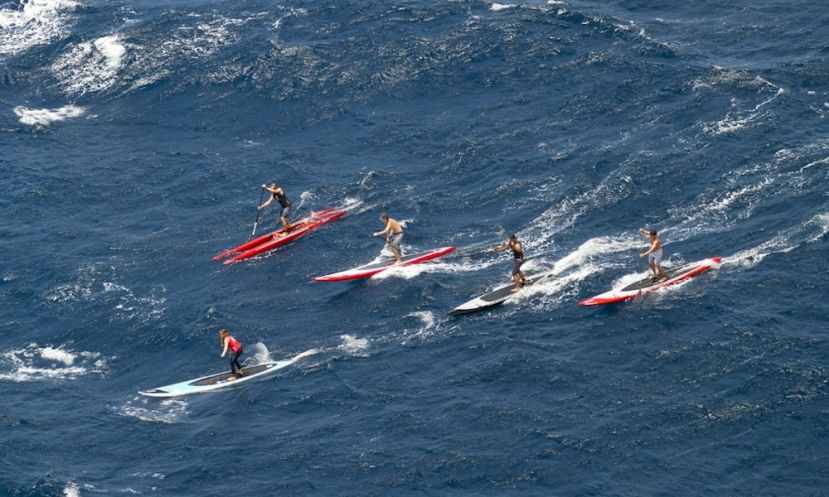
{"points": [[134, 138]]}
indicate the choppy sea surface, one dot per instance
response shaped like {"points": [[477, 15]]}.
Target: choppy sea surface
{"points": [[134, 138]]}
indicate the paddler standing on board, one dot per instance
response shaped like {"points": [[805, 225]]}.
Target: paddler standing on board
{"points": [[654, 254], [278, 194], [236, 349], [518, 260], [394, 233]]}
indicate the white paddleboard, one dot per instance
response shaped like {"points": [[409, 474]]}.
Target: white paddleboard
{"points": [[219, 381]]}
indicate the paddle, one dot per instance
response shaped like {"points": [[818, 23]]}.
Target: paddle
{"points": [[261, 197], [470, 254]]}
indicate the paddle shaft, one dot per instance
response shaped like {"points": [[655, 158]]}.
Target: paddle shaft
{"points": [[256, 222]]}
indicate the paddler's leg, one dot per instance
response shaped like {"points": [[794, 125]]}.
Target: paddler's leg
{"points": [[658, 271], [236, 357], [234, 366], [394, 245], [517, 275], [283, 218]]}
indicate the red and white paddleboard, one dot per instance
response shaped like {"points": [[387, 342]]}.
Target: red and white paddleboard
{"points": [[645, 286], [370, 270], [278, 238]]}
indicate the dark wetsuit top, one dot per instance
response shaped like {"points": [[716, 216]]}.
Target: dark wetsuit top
{"points": [[518, 254], [518, 261], [283, 199]]}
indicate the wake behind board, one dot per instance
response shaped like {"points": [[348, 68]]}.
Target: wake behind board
{"points": [[368, 270], [495, 297], [647, 285], [216, 381]]}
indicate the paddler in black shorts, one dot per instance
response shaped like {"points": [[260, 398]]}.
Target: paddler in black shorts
{"points": [[278, 194], [518, 255], [394, 233]]}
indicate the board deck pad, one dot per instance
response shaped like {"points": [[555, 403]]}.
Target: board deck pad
{"points": [[222, 377], [372, 268], [390, 262], [495, 297], [669, 274]]}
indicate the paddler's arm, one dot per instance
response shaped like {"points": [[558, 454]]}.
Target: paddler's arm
{"points": [[384, 232], [501, 248], [267, 202], [224, 350], [653, 248]]}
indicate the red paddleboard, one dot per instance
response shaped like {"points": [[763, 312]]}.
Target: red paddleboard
{"points": [[278, 238], [370, 270], [645, 286]]}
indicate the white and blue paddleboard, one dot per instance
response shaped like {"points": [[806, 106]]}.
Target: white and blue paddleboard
{"points": [[222, 380]]}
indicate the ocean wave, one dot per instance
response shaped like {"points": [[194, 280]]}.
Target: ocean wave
{"points": [[37, 363], [810, 231], [38, 22], [45, 117], [353, 346], [91, 66]]}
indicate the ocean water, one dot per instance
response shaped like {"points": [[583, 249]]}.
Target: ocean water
{"points": [[135, 136]]}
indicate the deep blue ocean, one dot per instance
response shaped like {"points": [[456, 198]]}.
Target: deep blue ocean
{"points": [[135, 135]]}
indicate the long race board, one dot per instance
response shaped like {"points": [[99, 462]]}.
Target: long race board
{"points": [[219, 381], [495, 297], [215, 381], [278, 238], [369, 270], [647, 285]]}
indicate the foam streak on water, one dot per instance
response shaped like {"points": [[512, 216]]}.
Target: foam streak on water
{"points": [[45, 117]]}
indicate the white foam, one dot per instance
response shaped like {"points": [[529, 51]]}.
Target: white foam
{"points": [[39, 22], [90, 66], [305, 197], [45, 117], [717, 213], [71, 490], [57, 355], [35, 363], [742, 119], [354, 346], [554, 290], [169, 411], [411, 271], [112, 49], [808, 232], [305, 354], [596, 247], [426, 317], [495, 7], [354, 205], [260, 353], [406, 272], [565, 214]]}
